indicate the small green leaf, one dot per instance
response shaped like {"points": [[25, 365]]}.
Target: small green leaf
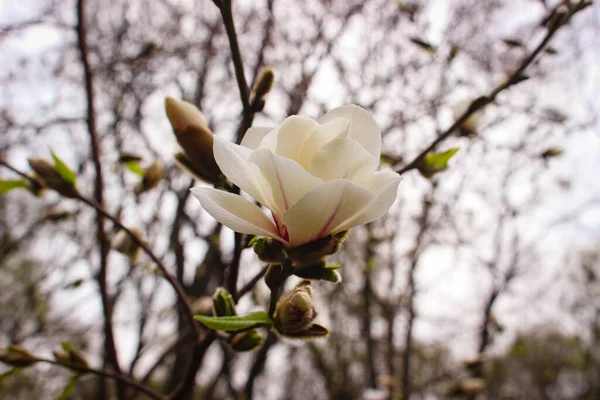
{"points": [[255, 240], [63, 170], [8, 185], [371, 263], [314, 331], [126, 157], [390, 159], [319, 272], [511, 42], [75, 284], [69, 388], [439, 161], [223, 304], [428, 47], [236, 323], [134, 166], [9, 373]]}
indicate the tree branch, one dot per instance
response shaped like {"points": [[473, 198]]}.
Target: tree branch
{"points": [[168, 276], [111, 356], [556, 23], [124, 379]]}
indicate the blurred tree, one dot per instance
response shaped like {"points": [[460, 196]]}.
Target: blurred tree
{"points": [[426, 286]]}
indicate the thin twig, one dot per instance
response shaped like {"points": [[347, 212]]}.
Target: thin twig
{"points": [[483, 101], [110, 348], [252, 282], [163, 270], [127, 380], [238, 65]]}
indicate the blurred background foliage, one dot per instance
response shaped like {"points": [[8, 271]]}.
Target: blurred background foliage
{"points": [[481, 282]]}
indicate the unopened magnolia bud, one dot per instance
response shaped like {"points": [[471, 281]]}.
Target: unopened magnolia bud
{"points": [[152, 177], [70, 357], [314, 252], [246, 341], [36, 186], [194, 137], [61, 357], [50, 178], [182, 115], [17, 356], [469, 126], [264, 83], [124, 244], [77, 359], [223, 304], [294, 311]]}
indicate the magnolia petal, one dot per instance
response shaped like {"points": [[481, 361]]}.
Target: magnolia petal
{"points": [[363, 128], [323, 209], [293, 132], [235, 212], [288, 181], [323, 134], [385, 184], [342, 159], [233, 162], [254, 136]]}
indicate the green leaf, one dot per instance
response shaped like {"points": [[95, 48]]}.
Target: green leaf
{"points": [[69, 388], [439, 161], [319, 272], [8, 185], [428, 47], [63, 170], [66, 346], [9, 373], [314, 331], [255, 240], [236, 323], [126, 157], [134, 167], [512, 42]]}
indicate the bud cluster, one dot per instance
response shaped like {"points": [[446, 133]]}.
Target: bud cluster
{"points": [[306, 261]]}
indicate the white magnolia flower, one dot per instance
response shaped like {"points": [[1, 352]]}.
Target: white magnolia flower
{"points": [[316, 178]]}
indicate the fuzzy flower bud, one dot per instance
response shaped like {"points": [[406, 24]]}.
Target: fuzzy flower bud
{"points": [[17, 356], [51, 178], [152, 177], [223, 304], [264, 83], [295, 312], [194, 137], [124, 244], [469, 126]]}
